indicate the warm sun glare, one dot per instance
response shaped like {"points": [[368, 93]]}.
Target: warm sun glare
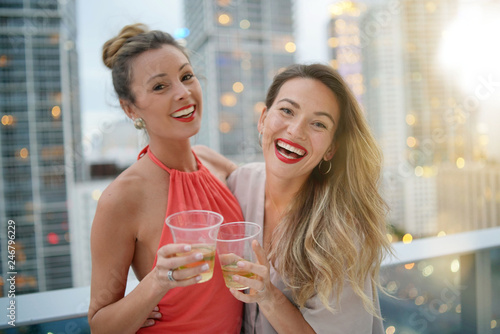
{"points": [[470, 46]]}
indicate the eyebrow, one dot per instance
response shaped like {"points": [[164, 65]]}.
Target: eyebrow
{"points": [[322, 113], [159, 75], [317, 113], [293, 103]]}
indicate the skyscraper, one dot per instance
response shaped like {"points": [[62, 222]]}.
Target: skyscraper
{"points": [[438, 130], [40, 139], [433, 100], [238, 46], [385, 106], [413, 107], [366, 52], [344, 40], [469, 197], [114, 150]]}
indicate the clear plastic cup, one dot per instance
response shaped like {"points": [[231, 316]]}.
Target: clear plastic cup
{"points": [[234, 243], [199, 229]]}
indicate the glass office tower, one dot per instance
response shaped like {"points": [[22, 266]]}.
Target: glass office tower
{"points": [[40, 138], [237, 47]]}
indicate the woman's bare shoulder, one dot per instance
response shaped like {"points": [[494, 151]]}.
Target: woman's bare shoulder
{"points": [[121, 200], [126, 186]]}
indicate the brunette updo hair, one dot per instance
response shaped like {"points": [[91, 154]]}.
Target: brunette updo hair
{"points": [[119, 51]]}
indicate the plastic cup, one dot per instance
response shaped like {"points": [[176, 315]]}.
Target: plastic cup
{"points": [[234, 243], [199, 229]]}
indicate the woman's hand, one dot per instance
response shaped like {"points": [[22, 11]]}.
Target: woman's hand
{"points": [[168, 260], [154, 315], [172, 256], [261, 289], [283, 316]]}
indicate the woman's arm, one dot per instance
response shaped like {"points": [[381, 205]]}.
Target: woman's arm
{"points": [[351, 317], [275, 306], [113, 248], [218, 164]]}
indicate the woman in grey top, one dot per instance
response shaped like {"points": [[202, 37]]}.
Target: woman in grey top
{"points": [[317, 200]]}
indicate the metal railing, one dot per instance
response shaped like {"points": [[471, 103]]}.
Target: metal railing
{"points": [[67, 304]]}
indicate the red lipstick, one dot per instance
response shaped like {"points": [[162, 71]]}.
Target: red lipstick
{"points": [[185, 114], [288, 151]]}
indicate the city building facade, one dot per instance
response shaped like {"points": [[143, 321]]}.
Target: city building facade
{"points": [[468, 197], [40, 137], [417, 114], [237, 47]]}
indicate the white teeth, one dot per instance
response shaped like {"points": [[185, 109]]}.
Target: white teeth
{"points": [[291, 148], [183, 112], [287, 156]]}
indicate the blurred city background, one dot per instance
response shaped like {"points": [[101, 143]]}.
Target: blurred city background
{"points": [[425, 72]]}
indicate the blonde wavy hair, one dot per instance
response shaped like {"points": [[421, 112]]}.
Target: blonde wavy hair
{"points": [[334, 230]]}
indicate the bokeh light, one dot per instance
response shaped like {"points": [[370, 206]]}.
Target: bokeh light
{"points": [[443, 308], [8, 120], [407, 238], [258, 107], [392, 286], [96, 194], [224, 127], [410, 266], [333, 42], [389, 237], [224, 19], [390, 330], [244, 24], [228, 100], [52, 238], [441, 234], [56, 112], [23, 153], [428, 270], [290, 47], [181, 33], [238, 87], [410, 119], [3, 60], [411, 141], [419, 171]]}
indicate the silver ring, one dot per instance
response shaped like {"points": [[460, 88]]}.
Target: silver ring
{"points": [[170, 276]]}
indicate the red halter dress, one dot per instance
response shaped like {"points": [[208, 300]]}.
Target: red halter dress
{"points": [[205, 307]]}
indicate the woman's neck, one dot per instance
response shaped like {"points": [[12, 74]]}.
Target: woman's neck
{"points": [[174, 154], [279, 193]]}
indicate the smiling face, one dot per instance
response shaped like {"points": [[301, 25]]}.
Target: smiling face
{"points": [[298, 128], [167, 95]]}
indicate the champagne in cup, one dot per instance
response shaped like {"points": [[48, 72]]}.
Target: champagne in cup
{"points": [[197, 228], [234, 243]]}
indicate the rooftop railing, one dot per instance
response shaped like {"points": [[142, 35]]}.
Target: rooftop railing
{"points": [[463, 297]]}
